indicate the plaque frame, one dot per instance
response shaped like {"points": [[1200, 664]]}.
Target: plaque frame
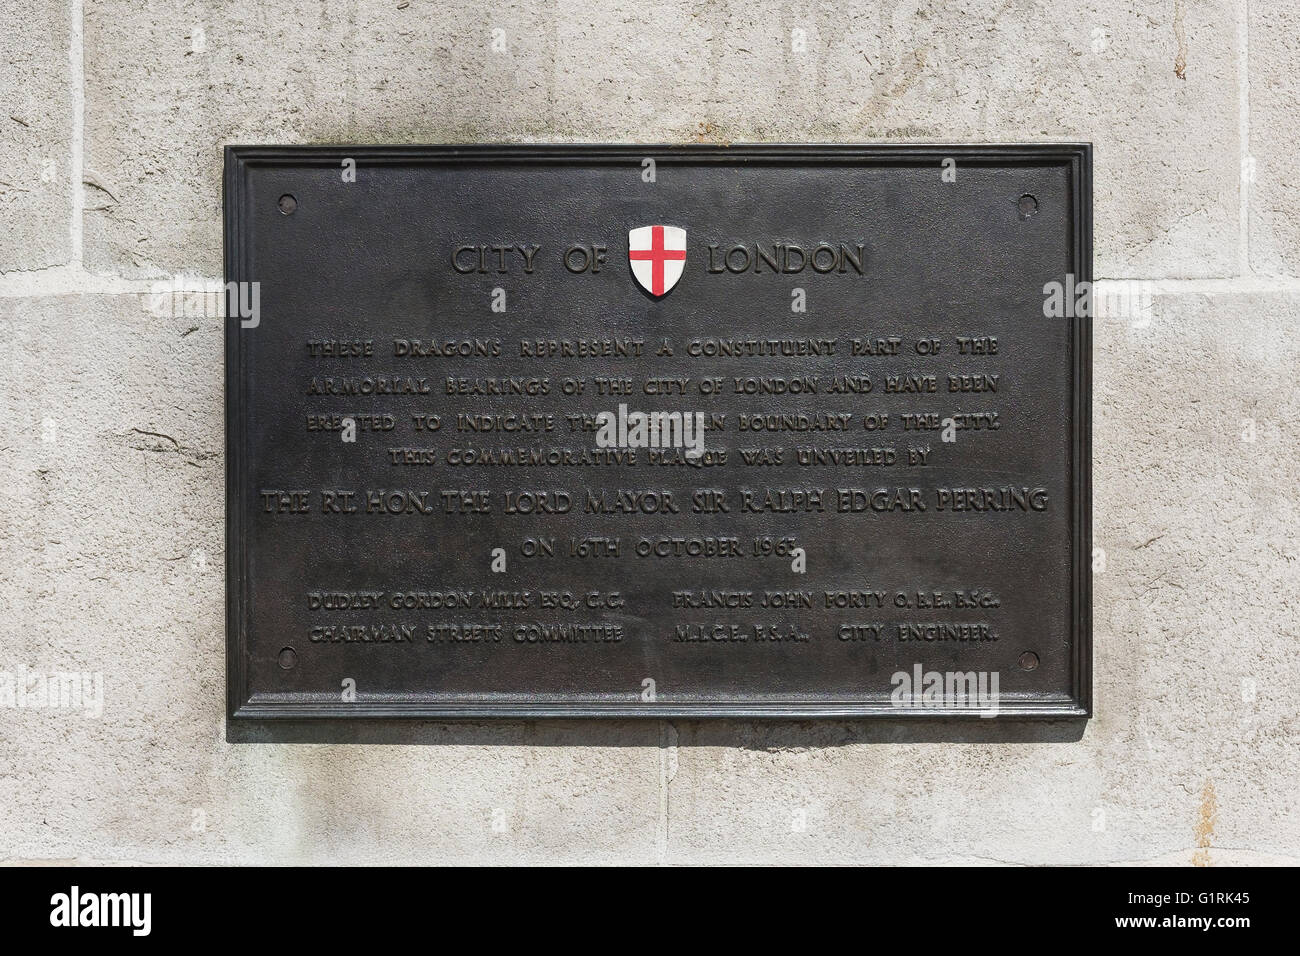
{"points": [[244, 706]]}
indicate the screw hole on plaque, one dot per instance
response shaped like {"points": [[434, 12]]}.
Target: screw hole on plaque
{"points": [[288, 204], [1027, 205], [1028, 661], [288, 658]]}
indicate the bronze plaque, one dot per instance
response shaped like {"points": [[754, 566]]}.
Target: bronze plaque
{"points": [[535, 431]]}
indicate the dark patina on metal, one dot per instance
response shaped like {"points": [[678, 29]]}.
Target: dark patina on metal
{"points": [[536, 431]]}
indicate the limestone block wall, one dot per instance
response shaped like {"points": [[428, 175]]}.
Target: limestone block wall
{"points": [[111, 428]]}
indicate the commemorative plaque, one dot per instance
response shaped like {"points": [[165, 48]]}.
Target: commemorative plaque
{"points": [[746, 431]]}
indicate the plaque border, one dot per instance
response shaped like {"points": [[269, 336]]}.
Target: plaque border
{"points": [[243, 705]]}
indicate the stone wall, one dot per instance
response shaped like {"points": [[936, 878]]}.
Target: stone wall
{"points": [[111, 428]]}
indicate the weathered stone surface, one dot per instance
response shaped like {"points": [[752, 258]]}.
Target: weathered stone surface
{"points": [[1155, 90], [111, 452], [1274, 132], [35, 145], [244, 73], [1104, 72], [114, 561]]}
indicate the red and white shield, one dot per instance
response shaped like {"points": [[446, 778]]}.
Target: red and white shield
{"points": [[658, 255]]}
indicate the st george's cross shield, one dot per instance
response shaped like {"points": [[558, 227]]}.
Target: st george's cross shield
{"points": [[658, 255]]}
